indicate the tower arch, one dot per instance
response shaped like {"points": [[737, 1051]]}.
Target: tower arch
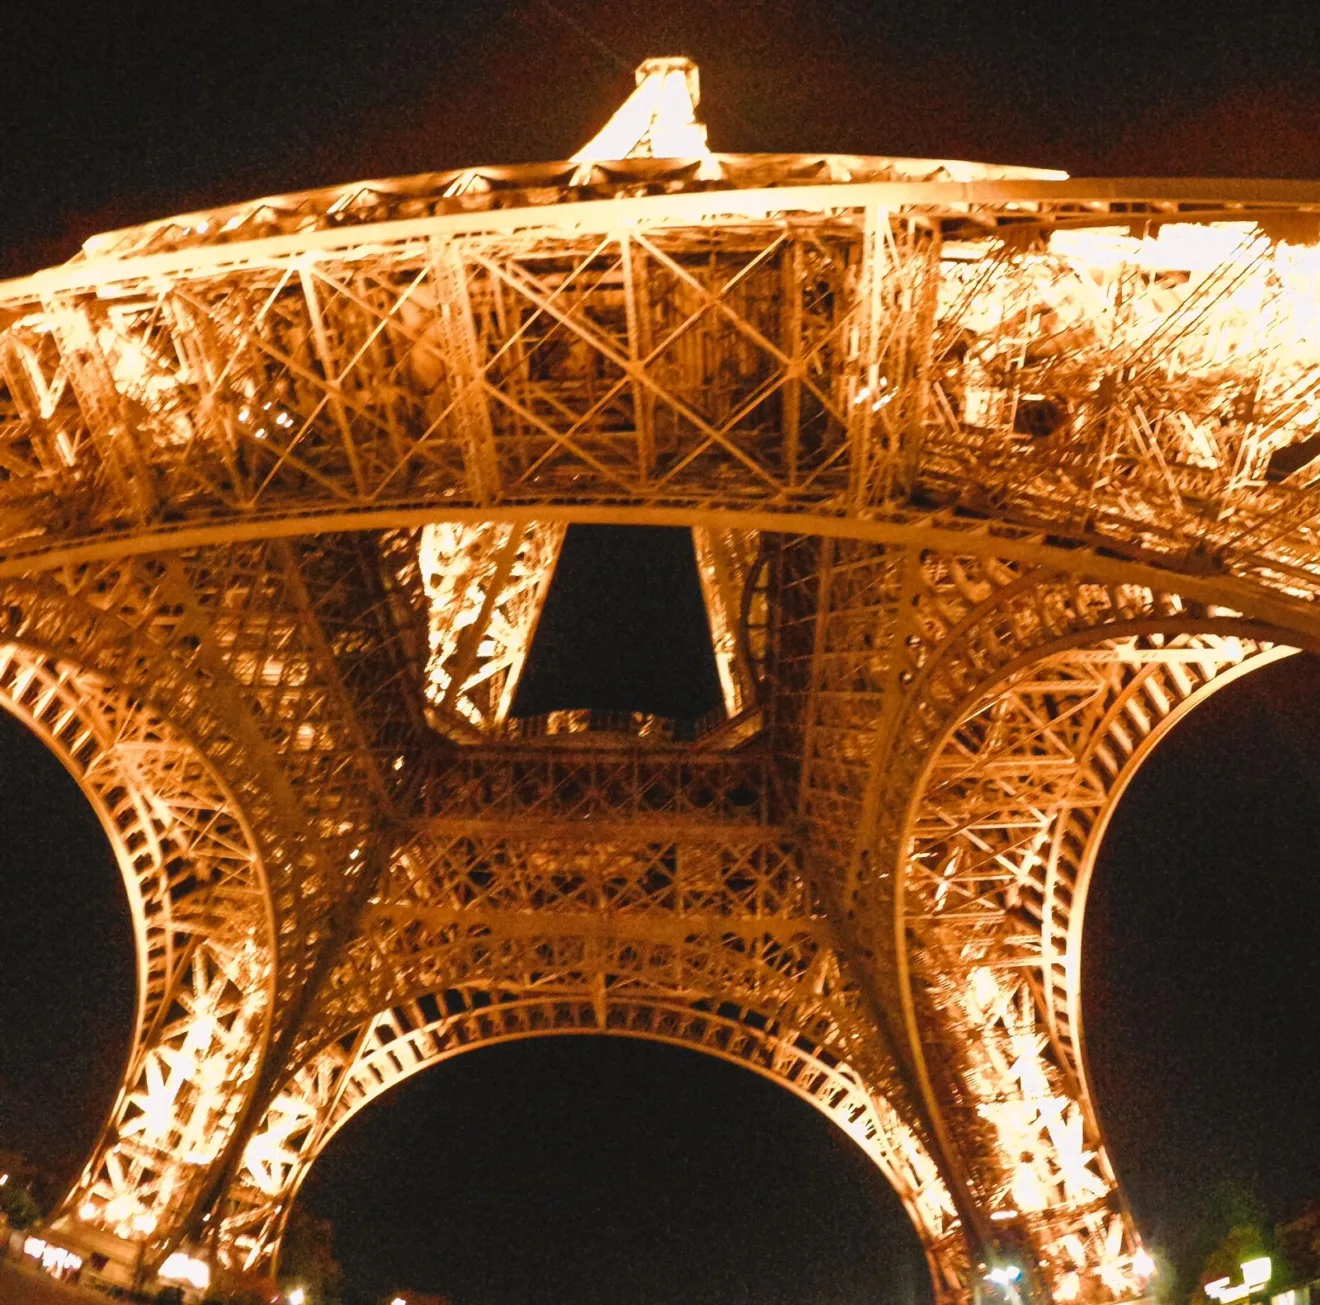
{"points": [[991, 470], [200, 908], [990, 905], [326, 1092]]}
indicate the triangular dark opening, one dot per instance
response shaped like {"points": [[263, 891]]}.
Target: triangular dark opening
{"points": [[623, 629]]}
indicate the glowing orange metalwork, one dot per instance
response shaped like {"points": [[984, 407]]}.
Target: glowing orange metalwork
{"points": [[991, 474]]}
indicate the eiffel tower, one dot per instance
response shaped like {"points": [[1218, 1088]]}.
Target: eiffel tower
{"points": [[991, 476]]}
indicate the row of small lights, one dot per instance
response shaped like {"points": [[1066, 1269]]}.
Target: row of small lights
{"points": [[1002, 1275], [281, 418], [299, 1297], [1143, 1265]]}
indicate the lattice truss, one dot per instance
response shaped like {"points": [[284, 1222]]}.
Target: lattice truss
{"points": [[485, 585], [991, 475], [856, 363], [961, 773], [677, 914], [199, 906]]}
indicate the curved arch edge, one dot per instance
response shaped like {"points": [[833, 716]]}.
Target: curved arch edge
{"points": [[319, 1099]]}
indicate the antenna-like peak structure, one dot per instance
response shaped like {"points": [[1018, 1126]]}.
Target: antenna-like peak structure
{"points": [[657, 121]]}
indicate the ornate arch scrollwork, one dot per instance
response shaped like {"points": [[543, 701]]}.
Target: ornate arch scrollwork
{"points": [[1019, 724], [203, 927], [324, 1094]]}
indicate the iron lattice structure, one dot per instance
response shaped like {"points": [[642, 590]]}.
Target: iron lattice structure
{"points": [[991, 475]]}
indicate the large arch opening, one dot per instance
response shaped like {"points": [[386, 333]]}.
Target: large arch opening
{"points": [[336, 1083], [68, 964], [199, 913], [603, 1169], [1201, 964], [589, 1167]]}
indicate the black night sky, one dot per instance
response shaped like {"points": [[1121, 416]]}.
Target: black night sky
{"points": [[591, 1170]]}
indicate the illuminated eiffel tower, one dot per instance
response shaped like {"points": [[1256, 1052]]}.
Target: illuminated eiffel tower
{"points": [[991, 476]]}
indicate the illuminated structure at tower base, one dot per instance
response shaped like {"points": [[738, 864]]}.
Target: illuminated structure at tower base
{"points": [[991, 476]]}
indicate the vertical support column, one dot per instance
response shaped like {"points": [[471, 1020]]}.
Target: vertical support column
{"points": [[114, 431], [889, 372], [791, 290], [637, 311], [325, 358], [725, 563], [467, 403], [486, 586], [863, 374]]}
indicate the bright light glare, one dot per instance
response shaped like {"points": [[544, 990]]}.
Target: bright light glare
{"points": [[179, 1267], [1186, 247], [1069, 1288], [297, 1296], [54, 1259], [1004, 1274], [1143, 1265], [657, 119], [1256, 1273]]}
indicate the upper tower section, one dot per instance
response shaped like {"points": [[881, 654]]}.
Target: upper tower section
{"points": [[657, 121], [652, 145]]}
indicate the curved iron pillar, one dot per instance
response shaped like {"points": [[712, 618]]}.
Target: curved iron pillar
{"points": [[201, 915], [1016, 704], [324, 1094]]}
